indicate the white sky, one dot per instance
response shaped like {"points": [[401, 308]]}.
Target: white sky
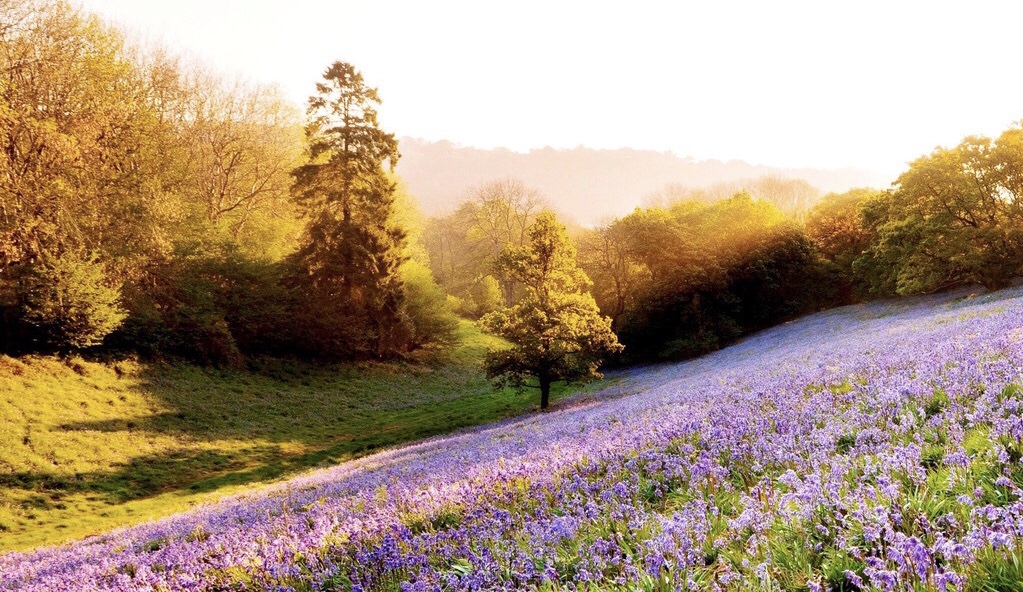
{"points": [[869, 84]]}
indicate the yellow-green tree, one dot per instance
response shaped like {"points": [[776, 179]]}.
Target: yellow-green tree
{"points": [[556, 328], [701, 275], [242, 142], [604, 253], [835, 226], [73, 168], [80, 195]]}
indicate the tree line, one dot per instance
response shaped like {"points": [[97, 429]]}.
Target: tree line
{"points": [[696, 270]]}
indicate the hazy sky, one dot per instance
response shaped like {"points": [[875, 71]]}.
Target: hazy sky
{"points": [[822, 84]]}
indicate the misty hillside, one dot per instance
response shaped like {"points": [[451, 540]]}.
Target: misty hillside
{"points": [[586, 183]]}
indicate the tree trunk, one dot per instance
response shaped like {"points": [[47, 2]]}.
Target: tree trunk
{"points": [[545, 392]]}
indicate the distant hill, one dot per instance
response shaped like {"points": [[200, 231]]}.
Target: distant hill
{"points": [[585, 183]]}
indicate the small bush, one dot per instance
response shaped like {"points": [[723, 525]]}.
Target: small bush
{"points": [[70, 303], [425, 308], [212, 308]]}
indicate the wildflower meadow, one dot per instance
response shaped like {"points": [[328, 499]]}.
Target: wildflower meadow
{"points": [[874, 447]]}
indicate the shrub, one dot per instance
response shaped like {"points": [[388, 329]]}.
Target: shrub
{"points": [[425, 308], [69, 302], [212, 309]]}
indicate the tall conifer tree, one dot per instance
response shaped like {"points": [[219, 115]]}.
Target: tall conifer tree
{"points": [[351, 249]]}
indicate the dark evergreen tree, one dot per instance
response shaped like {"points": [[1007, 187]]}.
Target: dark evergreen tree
{"points": [[350, 254]]}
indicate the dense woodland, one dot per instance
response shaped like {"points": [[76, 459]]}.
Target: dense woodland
{"points": [[150, 207]]}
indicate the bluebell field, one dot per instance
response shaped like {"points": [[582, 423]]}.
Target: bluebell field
{"points": [[874, 447]]}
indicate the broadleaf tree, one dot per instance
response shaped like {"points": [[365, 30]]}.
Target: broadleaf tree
{"points": [[79, 194], [954, 217], [352, 248], [556, 328]]}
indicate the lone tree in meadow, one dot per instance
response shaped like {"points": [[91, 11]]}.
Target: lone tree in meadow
{"points": [[352, 247], [556, 328]]}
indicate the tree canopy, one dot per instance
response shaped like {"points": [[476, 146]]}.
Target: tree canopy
{"points": [[954, 217], [464, 245], [685, 280], [148, 204]]}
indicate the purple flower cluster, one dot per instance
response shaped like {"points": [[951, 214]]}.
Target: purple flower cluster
{"points": [[875, 447]]}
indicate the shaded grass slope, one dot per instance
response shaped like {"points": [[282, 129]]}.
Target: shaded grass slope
{"points": [[85, 446]]}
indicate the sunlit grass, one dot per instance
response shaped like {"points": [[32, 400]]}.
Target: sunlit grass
{"points": [[85, 446]]}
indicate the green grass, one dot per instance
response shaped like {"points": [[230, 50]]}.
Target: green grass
{"points": [[996, 571], [86, 447]]}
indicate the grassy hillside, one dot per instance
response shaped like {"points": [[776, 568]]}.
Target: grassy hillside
{"points": [[85, 446]]}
